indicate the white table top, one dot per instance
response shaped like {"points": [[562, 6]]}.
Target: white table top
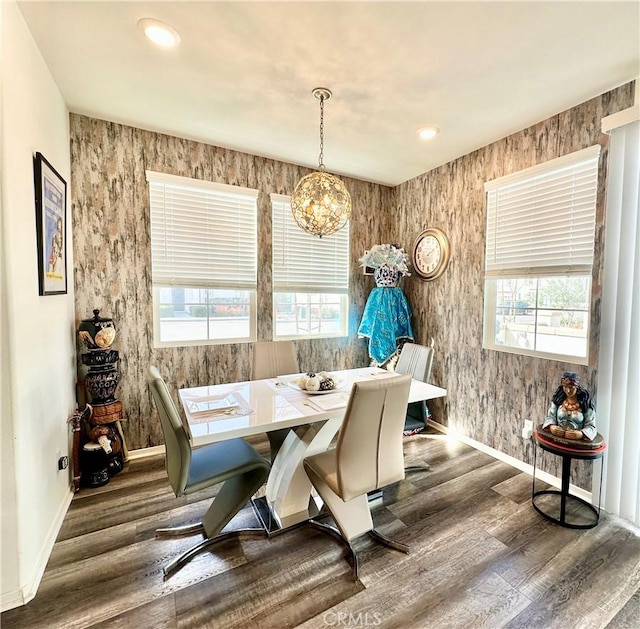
{"points": [[277, 403]]}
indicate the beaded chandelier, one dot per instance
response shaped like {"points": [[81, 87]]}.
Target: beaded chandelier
{"points": [[320, 203]]}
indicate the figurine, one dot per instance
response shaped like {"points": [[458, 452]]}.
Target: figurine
{"points": [[571, 414]]}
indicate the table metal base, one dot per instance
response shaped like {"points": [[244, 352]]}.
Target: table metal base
{"points": [[565, 499], [273, 526]]}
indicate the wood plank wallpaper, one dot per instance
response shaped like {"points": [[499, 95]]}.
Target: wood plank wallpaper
{"points": [[110, 208], [490, 393]]}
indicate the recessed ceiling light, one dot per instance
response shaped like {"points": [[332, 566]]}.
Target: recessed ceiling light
{"points": [[427, 133], [159, 33]]}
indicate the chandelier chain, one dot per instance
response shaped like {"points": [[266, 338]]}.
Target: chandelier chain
{"points": [[320, 203], [321, 158]]}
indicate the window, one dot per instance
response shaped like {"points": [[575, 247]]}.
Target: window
{"points": [[204, 261], [310, 278], [539, 255]]}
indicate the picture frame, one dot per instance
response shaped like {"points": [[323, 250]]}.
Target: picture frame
{"points": [[51, 227]]}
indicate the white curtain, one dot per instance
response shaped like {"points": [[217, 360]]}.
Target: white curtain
{"points": [[618, 399]]}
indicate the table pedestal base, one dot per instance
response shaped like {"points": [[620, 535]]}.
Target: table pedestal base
{"points": [[274, 526], [287, 501]]}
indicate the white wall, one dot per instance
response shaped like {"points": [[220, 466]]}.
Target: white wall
{"points": [[37, 333]]}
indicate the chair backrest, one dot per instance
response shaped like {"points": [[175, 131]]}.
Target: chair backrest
{"points": [[176, 439], [273, 358], [416, 360], [369, 450]]}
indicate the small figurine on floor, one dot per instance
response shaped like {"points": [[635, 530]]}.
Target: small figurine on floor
{"points": [[571, 414]]}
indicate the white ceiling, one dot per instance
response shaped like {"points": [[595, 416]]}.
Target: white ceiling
{"points": [[243, 73]]}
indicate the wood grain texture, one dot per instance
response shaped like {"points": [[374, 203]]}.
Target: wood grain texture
{"points": [[628, 616], [480, 556], [112, 253], [585, 587], [487, 601], [517, 488], [425, 576], [490, 392]]}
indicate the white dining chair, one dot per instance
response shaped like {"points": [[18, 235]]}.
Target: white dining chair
{"points": [[272, 359], [233, 464], [416, 360], [368, 456]]}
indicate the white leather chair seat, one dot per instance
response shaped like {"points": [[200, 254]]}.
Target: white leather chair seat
{"points": [[325, 466]]}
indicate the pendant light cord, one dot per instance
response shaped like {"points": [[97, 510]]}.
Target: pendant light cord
{"points": [[321, 158], [320, 203]]}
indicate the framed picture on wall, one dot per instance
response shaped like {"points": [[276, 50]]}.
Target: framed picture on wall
{"points": [[51, 227]]}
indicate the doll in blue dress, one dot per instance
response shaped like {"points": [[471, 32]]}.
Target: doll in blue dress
{"points": [[571, 414]]}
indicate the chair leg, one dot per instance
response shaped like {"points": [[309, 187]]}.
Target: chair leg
{"points": [[415, 423], [418, 468], [387, 541], [187, 529], [177, 563], [330, 530], [233, 495], [352, 517]]}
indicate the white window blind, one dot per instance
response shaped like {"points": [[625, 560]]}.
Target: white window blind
{"points": [[203, 234], [303, 263], [541, 221]]}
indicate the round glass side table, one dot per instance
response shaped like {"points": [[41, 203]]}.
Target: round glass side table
{"points": [[564, 508]]}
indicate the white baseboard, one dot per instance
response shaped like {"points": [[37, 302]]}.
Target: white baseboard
{"points": [[142, 453], [16, 598], [545, 477], [9, 600]]}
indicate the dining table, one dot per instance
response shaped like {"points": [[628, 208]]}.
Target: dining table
{"points": [[240, 409]]}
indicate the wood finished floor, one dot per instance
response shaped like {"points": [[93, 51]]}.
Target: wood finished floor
{"points": [[480, 557]]}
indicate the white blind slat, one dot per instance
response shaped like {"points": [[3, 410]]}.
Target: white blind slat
{"points": [[203, 234], [555, 165], [303, 263], [541, 222]]}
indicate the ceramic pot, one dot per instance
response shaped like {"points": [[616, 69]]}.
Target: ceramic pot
{"points": [[101, 385], [95, 465], [97, 333], [96, 358], [386, 275], [115, 464]]}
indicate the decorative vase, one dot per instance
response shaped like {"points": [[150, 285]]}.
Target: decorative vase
{"points": [[97, 333], [101, 384], [98, 358], [386, 275]]}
